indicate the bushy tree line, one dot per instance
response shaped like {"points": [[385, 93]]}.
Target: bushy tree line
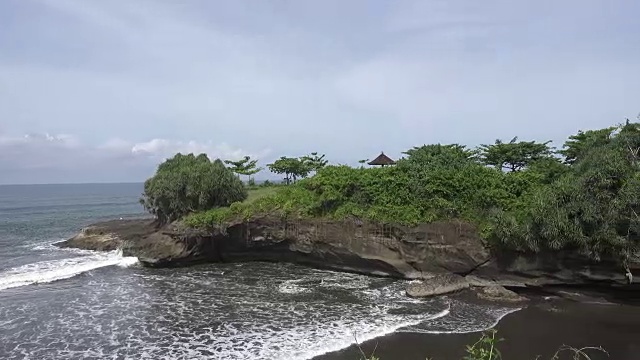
{"points": [[185, 184], [524, 195], [593, 207]]}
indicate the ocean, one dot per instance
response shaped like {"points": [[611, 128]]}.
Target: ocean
{"points": [[72, 304]]}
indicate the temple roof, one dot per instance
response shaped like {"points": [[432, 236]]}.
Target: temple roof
{"points": [[382, 159]]}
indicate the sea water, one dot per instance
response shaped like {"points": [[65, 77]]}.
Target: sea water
{"points": [[75, 304]]}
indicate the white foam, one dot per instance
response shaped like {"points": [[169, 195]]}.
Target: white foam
{"points": [[291, 287], [256, 319], [368, 333], [462, 323], [53, 270], [40, 246]]}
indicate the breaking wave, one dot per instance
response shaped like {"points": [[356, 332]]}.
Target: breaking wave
{"points": [[53, 270]]}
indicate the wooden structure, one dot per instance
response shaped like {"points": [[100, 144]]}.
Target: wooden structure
{"points": [[382, 160]]}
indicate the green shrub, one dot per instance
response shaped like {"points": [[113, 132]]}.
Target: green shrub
{"points": [[592, 208], [588, 203], [188, 183]]}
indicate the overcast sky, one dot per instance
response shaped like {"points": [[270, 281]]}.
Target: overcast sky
{"points": [[101, 91]]}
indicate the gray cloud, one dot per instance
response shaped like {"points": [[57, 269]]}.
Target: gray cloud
{"points": [[346, 79], [43, 158]]}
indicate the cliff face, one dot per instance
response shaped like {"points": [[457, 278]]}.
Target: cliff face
{"points": [[355, 246], [344, 245], [350, 245]]}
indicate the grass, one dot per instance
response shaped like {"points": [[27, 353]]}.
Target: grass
{"points": [[257, 193]]}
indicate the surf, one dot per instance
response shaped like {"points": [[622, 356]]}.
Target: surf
{"points": [[55, 270]]}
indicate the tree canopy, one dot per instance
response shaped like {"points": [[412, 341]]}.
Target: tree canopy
{"points": [[295, 168], [187, 183], [593, 208], [449, 154], [244, 166], [314, 161], [514, 155], [578, 145], [587, 202]]}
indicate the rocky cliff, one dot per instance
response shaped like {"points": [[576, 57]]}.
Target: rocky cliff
{"points": [[350, 245]]}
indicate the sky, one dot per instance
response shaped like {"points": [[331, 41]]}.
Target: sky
{"points": [[103, 91]]}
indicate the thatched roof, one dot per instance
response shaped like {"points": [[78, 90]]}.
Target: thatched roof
{"points": [[382, 160]]}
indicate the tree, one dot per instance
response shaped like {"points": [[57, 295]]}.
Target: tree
{"points": [[438, 154], [581, 143], [186, 183], [244, 166], [314, 162], [593, 208], [292, 168], [514, 155], [548, 169]]}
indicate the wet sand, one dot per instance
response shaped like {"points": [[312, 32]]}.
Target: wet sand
{"points": [[537, 330]]}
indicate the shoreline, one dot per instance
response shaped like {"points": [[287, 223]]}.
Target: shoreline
{"points": [[539, 329], [560, 311]]}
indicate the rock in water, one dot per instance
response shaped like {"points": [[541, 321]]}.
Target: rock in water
{"points": [[437, 285], [499, 293], [110, 235]]}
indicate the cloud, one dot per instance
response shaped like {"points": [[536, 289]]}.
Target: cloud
{"points": [[162, 148], [35, 158], [347, 79]]}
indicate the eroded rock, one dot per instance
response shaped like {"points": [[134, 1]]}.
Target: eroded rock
{"points": [[354, 246], [499, 293], [437, 285], [109, 235]]}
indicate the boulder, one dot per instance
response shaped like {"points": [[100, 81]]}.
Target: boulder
{"points": [[479, 282], [437, 285], [499, 293]]}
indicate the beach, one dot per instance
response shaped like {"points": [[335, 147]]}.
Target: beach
{"points": [[540, 329]]}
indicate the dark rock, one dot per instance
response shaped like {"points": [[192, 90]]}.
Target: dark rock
{"points": [[355, 246], [437, 285], [499, 293], [110, 235], [397, 251], [551, 268], [479, 282]]}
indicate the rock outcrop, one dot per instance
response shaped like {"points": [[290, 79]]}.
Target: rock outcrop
{"points": [[437, 285], [403, 252], [352, 245], [498, 293], [110, 235], [552, 268]]}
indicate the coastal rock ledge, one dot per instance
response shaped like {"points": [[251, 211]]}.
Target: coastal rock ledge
{"points": [[437, 285], [446, 247], [350, 245]]}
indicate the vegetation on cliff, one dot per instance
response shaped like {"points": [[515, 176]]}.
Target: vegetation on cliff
{"points": [[186, 184], [593, 207], [523, 195]]}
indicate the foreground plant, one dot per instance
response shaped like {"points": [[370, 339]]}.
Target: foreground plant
{"points": [[486, 349]]}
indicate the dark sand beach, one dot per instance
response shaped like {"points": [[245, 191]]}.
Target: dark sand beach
{"points": [[537, 330]]}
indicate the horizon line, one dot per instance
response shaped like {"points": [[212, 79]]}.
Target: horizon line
{"points": [[77, 183], [104, 183]]}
